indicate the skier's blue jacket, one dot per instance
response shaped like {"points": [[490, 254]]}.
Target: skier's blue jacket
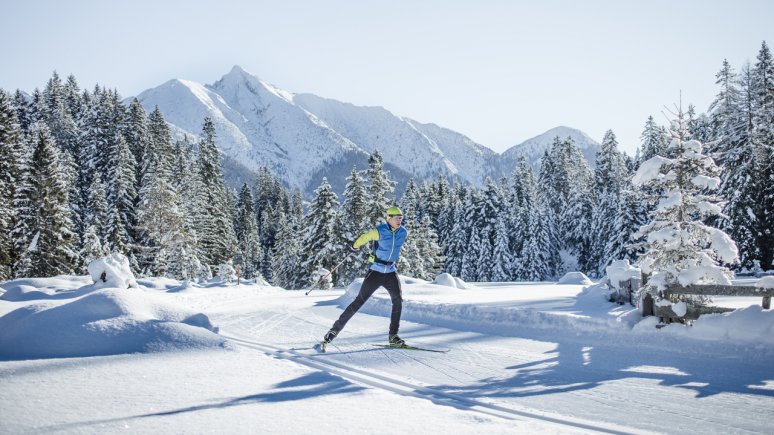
{"points": [[386, 247]]}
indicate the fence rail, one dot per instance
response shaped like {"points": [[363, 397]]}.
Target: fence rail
{"points": [[692, 313]]}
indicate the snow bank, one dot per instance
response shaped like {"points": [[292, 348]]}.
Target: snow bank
{"points": [[765, 282], [752, 325], [103, 322], [447, 306], [578, 278], [112, 271], [505, 308], [58, 287], [450, 281]]}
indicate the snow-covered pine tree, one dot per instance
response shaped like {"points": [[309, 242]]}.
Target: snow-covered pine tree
{"points": [[456, 239], [539, 256], [96, 211], [246, 228], [610, 175], [287, 270], [45, 221], [379, 187], [57, 116], [630, 216], [502, 259], [160, 220], [472, 226], [26, 113], [491, 202], [55, 113], [763, 138], [137, 138], [680, 248], [10, 156], [732, 147], [430, 260], [121, 196], [268, 192], [564, 175], [727, 126], [521, 197], [698, 125], [25, 212], [216, 236], [552, 179], [91, 152], [410, 261], [73, 99], [95, 223], [653, 142], [436, 200], [355, 220], [190, 188], [91, 248], [322, 243], [161, 227]]}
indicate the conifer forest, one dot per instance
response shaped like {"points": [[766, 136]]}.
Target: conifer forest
{"points": [[84, 173]]}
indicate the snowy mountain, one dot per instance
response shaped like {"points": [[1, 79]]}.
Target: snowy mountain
{"points": [[303, 137], [256, 124], [534, 148]]}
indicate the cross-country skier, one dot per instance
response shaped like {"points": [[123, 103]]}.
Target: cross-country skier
{"points": [[388, 239]]}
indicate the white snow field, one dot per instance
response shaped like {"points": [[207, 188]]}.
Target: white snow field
{"points": [[172, 357]]}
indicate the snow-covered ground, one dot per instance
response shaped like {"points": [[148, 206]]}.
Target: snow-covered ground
{"points": [[171, 357]]}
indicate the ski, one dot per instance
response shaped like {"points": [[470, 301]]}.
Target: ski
{"points": [[407, 347]]}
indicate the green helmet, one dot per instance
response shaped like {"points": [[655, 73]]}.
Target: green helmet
{"points": [[392, 211]]}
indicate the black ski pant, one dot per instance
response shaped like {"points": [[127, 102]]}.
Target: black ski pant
{"points": [[373, 281]]}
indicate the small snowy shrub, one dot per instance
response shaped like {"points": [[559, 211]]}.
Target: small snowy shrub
{"points": [[226, 272]]}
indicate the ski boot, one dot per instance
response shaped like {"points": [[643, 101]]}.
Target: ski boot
{"points": [[329, 336], [396, 341]]}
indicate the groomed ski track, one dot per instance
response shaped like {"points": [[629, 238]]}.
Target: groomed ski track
{"points": [[570, 381], [403, 387]]}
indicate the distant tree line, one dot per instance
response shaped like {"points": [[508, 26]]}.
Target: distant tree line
{"points": [[82, 174]]}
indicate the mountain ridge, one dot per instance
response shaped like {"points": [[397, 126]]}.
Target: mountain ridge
{"points": [[301, 136]]}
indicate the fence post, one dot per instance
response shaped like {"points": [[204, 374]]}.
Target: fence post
{"points": [[634, 286], [766, 303]]}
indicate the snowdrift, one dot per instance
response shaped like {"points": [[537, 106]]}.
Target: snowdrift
{"points": [[450, 281], [98, 322], [575, 278]]}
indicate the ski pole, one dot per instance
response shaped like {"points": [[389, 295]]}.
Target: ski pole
{"points": [[326, 275]]}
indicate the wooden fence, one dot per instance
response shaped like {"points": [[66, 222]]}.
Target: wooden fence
{"points": [[668, 315]]}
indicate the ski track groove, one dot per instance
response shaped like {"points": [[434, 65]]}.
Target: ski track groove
{"points": [[404, 387], [470, 355]]}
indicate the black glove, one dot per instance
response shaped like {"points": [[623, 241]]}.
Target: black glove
{"points": [[353, 249]]}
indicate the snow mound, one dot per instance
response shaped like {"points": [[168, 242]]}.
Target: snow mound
{"points": [[752, 325], [766, 282], [104, 322], [450, 281], [112, 271], [578, 278], [59, 287], [620, 271]]}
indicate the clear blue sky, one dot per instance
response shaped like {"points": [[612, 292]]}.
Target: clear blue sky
{"points": [[499, 72]]}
